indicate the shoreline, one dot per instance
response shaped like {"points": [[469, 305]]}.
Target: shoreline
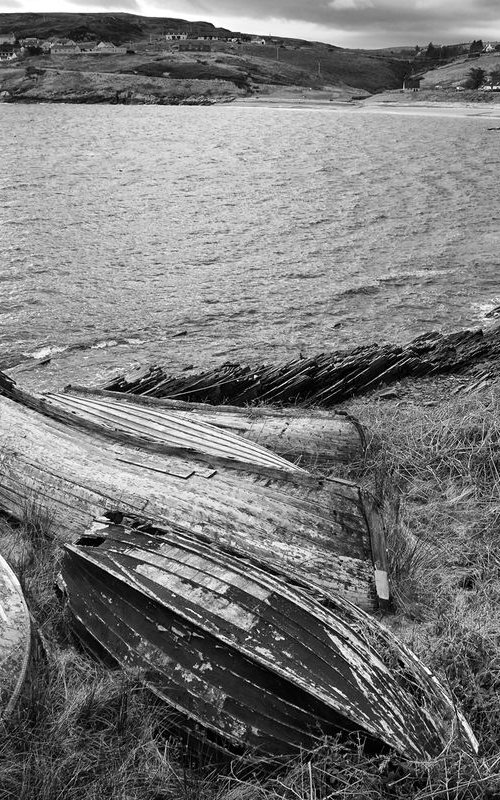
{"points": [[374, 105], [472, 355]]}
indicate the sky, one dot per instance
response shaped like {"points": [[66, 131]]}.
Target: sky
{"points": [[347, 23]]}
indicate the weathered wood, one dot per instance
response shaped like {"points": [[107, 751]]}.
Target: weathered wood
{"points": [[309, 438], [255, 661], [15, 639], [315, 527], [323, 380]]}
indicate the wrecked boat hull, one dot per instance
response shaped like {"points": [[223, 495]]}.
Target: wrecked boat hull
{"points": [[228, 489], [310, 438], [247, 659], [15, 639]]}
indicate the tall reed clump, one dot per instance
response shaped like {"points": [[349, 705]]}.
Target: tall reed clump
{"points": [[438, 468]]}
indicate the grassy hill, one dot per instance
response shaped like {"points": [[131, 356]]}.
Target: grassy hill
{"points": [[456, 73], [117, 28], [289, 62]]}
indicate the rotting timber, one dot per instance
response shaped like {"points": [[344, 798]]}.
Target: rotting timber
{"points": [[309, 437], [323, 380], [249, 658], [15, 639], [201, 481]]}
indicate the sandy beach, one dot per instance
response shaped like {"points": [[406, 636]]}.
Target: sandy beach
{"points": [[397, 102]]}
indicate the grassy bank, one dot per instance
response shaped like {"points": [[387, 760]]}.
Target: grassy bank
{"points": [[82, 731], [436, 97]]}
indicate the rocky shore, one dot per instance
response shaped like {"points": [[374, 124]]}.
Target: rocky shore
{"points": [[64, 86]]}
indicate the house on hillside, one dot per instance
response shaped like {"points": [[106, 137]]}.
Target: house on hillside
{"points": [[67, 47], [176, 36], [7, 52], [204, 37], [412, 83], [7, 38], [258, 40], [85, 47], [107, 49], [30, 41], [47, 45]]}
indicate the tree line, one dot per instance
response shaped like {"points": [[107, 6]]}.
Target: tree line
{"points": [[477, 77]]}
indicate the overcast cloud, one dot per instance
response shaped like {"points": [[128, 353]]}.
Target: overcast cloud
{"points": [[355, 23], [130, 6]]}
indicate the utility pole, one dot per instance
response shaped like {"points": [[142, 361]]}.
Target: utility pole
{"points": [[319, 69], [277, 53]]}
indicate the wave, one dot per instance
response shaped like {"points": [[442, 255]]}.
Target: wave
{"points": [[367, 288], [394, 279], [489, 312], [48, 351]]}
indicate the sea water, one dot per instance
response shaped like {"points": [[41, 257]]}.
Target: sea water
{"points": [[190, 236]]}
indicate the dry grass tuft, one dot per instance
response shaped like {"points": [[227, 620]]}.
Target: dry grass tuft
{"points": [[438, 468]]}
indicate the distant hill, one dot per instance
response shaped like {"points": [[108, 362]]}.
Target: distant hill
{"points": [[117, 28], [283, 62]]}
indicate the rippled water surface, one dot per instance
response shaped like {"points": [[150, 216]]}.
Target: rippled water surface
{"points": [[256, 233]]}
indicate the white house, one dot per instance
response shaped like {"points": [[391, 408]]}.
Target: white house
{"points": [[205, 37], [107, 49], [7, 52], [258, 40], [31, 41], [65, 48], [176, 36], [7, 38]]}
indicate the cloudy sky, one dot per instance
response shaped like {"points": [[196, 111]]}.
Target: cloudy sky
{"points": [[348, 23]]}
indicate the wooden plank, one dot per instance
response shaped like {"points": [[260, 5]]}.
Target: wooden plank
{"points": [[311, 438]]}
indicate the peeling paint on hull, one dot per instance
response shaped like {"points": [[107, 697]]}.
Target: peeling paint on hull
{"points": [[245, 655]]}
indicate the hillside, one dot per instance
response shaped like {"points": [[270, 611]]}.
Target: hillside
{"points": [[455, 74], [118, 28], [246, 67]]}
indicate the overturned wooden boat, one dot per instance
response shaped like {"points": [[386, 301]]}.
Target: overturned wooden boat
{"points": [[247, 656], [15, 639], [192, 477], [312, 438]]}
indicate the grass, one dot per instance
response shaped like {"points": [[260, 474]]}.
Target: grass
{"points": [[85, 732], [439, 474]]}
